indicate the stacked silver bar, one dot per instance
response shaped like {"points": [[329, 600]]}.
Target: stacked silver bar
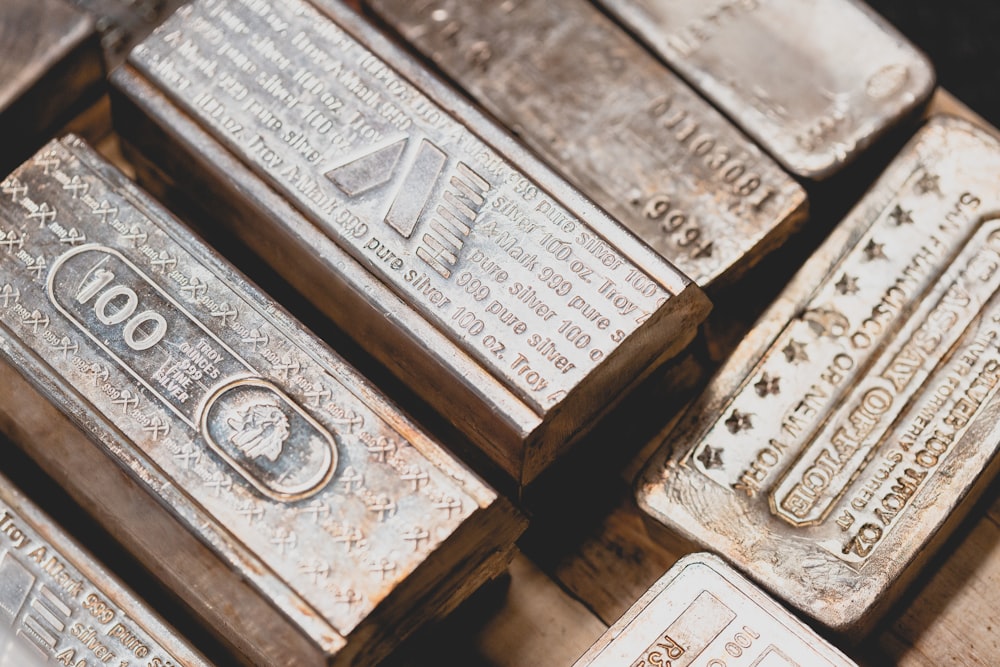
{"points": [[57, 604], [515, 307], [814, 81], [857, 421], [297, 512], [751, 474], [284, 500], [702, 612], [620, 125]]}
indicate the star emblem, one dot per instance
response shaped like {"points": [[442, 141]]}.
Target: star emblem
{"points": [[875, 251], [847, 284], [739, 421], [929, 183], [767, 385], [901, 216], [710, 457], [795, 352]]}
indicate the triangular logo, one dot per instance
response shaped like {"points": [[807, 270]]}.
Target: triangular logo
{"points": [[368, 171]]}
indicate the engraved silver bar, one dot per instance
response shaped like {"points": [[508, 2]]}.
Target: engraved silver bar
{"points": [[703, 613], [857, 421], [815, 82], [124, 23], [620, 125], [58, 604], [50, 68], [296, 511], [514, 306]]}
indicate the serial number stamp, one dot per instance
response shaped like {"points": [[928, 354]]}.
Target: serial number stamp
{"points": [[618, 123]]}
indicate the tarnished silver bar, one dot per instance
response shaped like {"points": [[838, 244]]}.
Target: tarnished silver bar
{"points": [[620, 125], [702, 613], [814, 81], [123, 23], [297, 511], [50, 67], [852, 427], [58, 604], [509, 302]]}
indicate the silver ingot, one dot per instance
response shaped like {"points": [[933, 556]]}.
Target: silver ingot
{"points": [[277, 492], [814, 81], [858, 419], [59, 605], [510, 303], [621, 126], [703, 613]]}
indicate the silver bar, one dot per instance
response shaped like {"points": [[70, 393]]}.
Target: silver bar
{"points": [[245, 464], [620, 125], [814, 81], [58, 604], [511, 304], [849, 431], [124, 23], [50, 68], [702, 613]]}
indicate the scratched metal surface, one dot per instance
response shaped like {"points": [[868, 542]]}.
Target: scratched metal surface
{"points": [[703, 613], [814, 82], [57, 604], [835, 447], [619, 124], [249, 430]]}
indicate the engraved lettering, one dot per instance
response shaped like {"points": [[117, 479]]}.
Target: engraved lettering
{"points": [[122, 310], [18, 538], [408, 192]]}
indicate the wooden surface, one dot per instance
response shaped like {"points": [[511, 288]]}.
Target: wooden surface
{"points": [[589, 554]]}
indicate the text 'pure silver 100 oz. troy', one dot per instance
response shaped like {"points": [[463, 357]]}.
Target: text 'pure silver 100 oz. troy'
{"points": [[58, 605], [849, 431], [269, 485], [509, 302], [702, 613], [619, 124], [814, 81]]}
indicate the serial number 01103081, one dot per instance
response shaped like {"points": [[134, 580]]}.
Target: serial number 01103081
{"points": [[618, 123], [851, 432]]}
